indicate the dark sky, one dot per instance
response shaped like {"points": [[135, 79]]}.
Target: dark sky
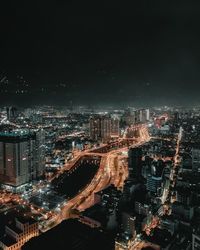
{"points": [[147, 53]]}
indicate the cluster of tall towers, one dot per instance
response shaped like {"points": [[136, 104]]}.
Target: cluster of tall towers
{"points": [[103, 127]]}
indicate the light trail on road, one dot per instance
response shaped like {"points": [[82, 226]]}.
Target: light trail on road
{"points": [[111, 171]]}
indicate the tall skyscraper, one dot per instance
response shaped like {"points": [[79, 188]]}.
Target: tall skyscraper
{"points": [[18, 158], [129, 117], [125, 239], [103, 127], [154, 184], [95, 127], [135, 162], [40, 151], [155, 178], [128, 225], [11, 113], [115, 127], [195, 159], [132, 116], [137, 116], [143, 115], [147, 114], [176, 116]]}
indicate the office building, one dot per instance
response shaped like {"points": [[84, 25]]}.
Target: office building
{"points": [[195, 242], [18, 233], [142, 209], [128, 225], [196, 159], [11, 113], [154, 184], [155, 178], [129, 117], [20, 158], [115, 127], [135, 162], [132, 116], [95, 127], [125, 239], [103, 127], [40, 151], [184, 195], [142, 115], [183, 212], [147, 114]]}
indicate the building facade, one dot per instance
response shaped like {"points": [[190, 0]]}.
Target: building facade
{"points": [[18, 233], [20, 158], [103, 127]]}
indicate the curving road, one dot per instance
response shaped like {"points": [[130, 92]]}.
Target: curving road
{"points": [[108, 173]]}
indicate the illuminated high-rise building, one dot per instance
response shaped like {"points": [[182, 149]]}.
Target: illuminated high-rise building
{"points": [[147, 114], [95, 127], [132, 116], [39, 151], [128, 225], [103, 127], [114, 127], [129, 117], [11, 113], [19, 159], [195, 159], [144, 115], [125, 239], [155, 178]]}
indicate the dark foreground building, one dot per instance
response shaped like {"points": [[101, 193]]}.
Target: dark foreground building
{"points": [[71, 234], [135, 162]]}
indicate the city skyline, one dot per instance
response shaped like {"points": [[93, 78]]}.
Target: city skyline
{"points": [[125, 178]]}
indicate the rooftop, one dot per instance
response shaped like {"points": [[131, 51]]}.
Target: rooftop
{"points": [[7, 240], [71, 234], [14, 228], [24, 220], [15, 135]]}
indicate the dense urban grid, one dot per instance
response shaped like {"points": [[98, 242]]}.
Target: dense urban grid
{"points": [[93, 178]]}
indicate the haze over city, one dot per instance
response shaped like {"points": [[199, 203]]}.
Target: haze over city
{"points": [[145, 54]]}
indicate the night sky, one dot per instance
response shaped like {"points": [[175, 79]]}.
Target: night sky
{"points": [[102, 52]]}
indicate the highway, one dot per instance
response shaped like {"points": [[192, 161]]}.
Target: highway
{"points": [[108, 173], [112, 170]]}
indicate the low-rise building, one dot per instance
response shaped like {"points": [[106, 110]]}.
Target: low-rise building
{"points": [[18, 233]]}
